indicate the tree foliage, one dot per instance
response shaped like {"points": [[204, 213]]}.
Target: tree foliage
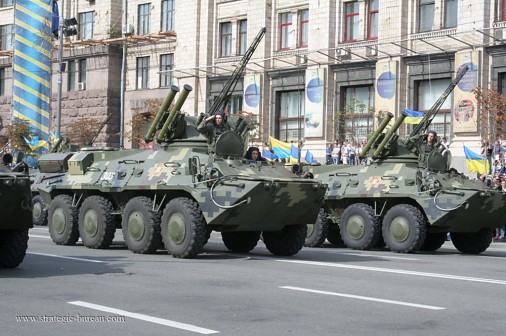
{"points": [[82, 130], [492, 105], [16, 132]]}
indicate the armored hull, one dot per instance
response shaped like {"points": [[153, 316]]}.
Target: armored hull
{"points": [[15, 217]]}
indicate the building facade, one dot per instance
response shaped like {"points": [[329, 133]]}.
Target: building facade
{"points": [[324, 70]]}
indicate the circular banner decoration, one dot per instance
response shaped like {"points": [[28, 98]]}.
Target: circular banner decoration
{"points": [[252, 95], [468, 82], [386, 85], [314, 90]]}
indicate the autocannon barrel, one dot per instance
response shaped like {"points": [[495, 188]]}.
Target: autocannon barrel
{"points": [[389, 135], [172, 114], [376, 134], [165, 105]]}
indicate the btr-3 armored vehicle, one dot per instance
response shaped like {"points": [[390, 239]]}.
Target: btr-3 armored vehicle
{"points": [[408, 198], [179, 193]]}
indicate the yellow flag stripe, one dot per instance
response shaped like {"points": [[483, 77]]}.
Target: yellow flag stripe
{"points": [[33, 92], [30, 105], [32, 45], [46, 5], [33, 30], [31, 121], [33, 60], [32, 14], [33, 76]]}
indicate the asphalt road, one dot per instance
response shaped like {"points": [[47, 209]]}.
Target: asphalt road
{"points": [[62, 290]]}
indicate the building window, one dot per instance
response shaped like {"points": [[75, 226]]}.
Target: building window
{"points": [[304, 28], [351, 20], [429, 92], [372, 20], [81, 74], [71, 76], [285, 40], [234, 105], [144, 19], [166, 65], [6, 3], [358, 109], [291, 115], [6, 37], [142, 72], [451, 13], [426, 15], [226, 39], [243, 37], [86, 22], [2, 82], [167, 15]]}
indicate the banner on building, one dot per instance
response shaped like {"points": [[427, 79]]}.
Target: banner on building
{"points": [[386, 87], [252, 93], [314, 102], [32, 63], [465, 114]]}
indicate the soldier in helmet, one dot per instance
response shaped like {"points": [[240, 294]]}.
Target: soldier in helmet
{"points": [[430, 141], [214, 126]]}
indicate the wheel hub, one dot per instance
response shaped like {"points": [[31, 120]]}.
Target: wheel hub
{"points": [[59, 221], [399, 229], [136, 225], [37, 210], [310, 229], [91, 222], [355, 226], [176, 228]]}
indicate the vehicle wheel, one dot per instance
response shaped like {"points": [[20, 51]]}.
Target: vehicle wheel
{"points": [[334, 235], [62, 221], [473, 243], [433, 241], [242, 241], [317, 232], [39, 211], [96, 222], [360, 228], [13, 245], [141, 226], [183, 228], [286, 242], [404, 229], [208, 235]]}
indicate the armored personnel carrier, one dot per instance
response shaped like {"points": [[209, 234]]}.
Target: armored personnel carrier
{"points": [[176, 195], [15, 217], [408, 198]]}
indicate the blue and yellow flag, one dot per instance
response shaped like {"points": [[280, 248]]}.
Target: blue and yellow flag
{"points": [[309, 157], [268, 155], [294, 154], [280, 148], [475, 162], [413, 117], [32, 63]]}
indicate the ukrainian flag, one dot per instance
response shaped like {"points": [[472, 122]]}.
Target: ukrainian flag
{"points": [[294, 154], [268, 155], [310, 158], [475, 162], [280, 148], [413, 117]]}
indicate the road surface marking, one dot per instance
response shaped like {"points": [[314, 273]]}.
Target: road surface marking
{"points": [[397, 271], [380, 256], [143, 317], [37, 236], [366, 298], [63, 257]]}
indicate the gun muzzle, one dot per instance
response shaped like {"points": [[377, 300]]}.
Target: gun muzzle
{"points": [[177, 107], [389, 135], [165, 105]]}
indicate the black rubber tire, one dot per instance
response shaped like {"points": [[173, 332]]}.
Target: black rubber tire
{"points": [[360, 216], [96, 222], [334, 235], [414, 226], [208, 235], [62, 221], [473, 243], [241, 241], [13, 245], [141, 226], [433, 241], [317, 232], [183, 228], [39, 211], [286, 242]]}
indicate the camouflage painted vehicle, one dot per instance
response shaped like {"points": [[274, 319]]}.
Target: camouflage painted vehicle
{"points": [[15, 217], [176, 195], [408, 198]]}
